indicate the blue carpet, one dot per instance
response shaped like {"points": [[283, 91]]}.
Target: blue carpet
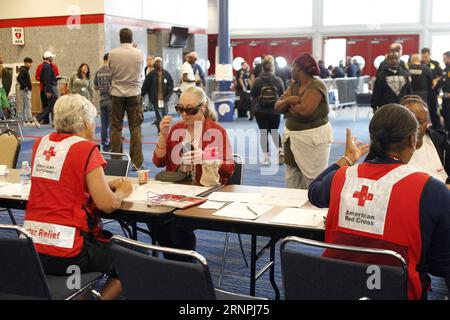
{"points": [[210, 244]]}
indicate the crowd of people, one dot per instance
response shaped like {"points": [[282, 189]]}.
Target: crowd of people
{"points": [[405, 159]]}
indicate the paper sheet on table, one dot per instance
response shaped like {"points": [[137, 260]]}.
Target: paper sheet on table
{"points": [[233, 197], [243, 211], [283, 197], [302, 217], [212, 205], [153, 188], [12, 190], [3, 170]]}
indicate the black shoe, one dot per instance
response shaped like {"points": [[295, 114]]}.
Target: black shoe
{"points": [[251, 118], [107, 148]]}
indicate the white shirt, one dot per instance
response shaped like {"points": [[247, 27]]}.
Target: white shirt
{"points": [[187, 68], [426, 159]]}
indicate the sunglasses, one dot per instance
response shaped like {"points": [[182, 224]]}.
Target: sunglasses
{"points": [[191, 111]]}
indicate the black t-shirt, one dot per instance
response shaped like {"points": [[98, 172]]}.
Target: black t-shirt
{"points": [[244, 75], [257, 71], [421, 80]]}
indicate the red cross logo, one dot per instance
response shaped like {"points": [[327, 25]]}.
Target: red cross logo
{"points": [[363, 196], [49, 153]]}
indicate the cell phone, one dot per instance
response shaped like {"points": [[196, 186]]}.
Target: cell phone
{"points": [[187, 147]]}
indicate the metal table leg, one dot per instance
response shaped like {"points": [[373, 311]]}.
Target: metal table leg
{"points": [[253, 258], [272, 269]]}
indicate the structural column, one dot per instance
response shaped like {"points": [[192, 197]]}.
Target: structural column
{"points": [[225, 70]]}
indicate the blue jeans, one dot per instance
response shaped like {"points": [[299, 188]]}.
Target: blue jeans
{"points": [[105, 116]]}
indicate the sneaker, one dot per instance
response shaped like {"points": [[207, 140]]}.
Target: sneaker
{"points": [[266, 160], [36, 123], [281, 157]]}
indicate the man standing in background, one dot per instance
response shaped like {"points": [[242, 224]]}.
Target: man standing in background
{"points": [[125, 64], [50, 85], [421, 78], [158, 86], [44, 100], [102, 83], [187, 72], [436, 74], [24, 81]]}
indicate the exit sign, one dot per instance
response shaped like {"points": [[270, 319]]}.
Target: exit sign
{"points": [[18, 36]]}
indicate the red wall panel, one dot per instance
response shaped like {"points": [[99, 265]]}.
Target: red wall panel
{"points": [[370, 47], [249, 49]]}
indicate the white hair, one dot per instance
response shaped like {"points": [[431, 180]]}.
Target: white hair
{"points": [[210, 113], [71, 112]]}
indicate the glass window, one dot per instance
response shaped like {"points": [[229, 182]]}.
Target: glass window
{"points": [[237, 63], [441, 8], [439, 45], [361, 61], [378, 60], [260, 14], [335, 51], [257, 61], [370, 12], [281, 62]]}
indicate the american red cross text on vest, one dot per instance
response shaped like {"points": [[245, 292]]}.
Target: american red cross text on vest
{"points": [[49, 153], [363, 196]]}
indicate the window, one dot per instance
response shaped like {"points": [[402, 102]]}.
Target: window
{"points": [[335, 51], [370, 12], [267, 14], [441, 8], [378, 60], [361, 61], [281, 62], [237, 63], [439, 45]]}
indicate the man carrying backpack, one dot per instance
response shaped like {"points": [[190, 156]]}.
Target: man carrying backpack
{"points": [[266, 90]]}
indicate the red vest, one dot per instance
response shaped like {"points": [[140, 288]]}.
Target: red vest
{"points": [[377, 206], [57, 211]]}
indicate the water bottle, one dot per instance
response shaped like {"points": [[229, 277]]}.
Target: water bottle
{"points": [[25, 179]]}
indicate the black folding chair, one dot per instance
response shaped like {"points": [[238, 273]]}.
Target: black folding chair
{"points": [[117, 164], [22, 276], [145, 277], [236, 179], [313, 277]]}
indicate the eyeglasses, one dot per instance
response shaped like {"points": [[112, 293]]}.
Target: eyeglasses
{"points": [[191, 111]]}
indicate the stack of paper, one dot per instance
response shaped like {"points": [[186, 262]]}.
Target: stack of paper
{"points": [[277, 197], [283, 197], [13, 190], [212, 205], [234, 197], [243, 211], [313, 218]]}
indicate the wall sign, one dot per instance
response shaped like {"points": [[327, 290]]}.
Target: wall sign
{"points": [[18, 36]]}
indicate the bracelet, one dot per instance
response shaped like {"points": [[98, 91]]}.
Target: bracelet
{"points": [[350, 162]]}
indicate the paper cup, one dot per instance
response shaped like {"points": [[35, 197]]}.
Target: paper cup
{"points": [[143, 176]]}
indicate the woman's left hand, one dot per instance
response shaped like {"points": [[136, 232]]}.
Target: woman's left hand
{"points": [[355, 149]]}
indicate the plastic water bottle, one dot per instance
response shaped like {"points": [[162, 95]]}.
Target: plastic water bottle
{"points": [[25, 179]]}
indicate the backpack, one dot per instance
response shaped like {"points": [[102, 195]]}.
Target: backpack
{"points": [[268, 96]]}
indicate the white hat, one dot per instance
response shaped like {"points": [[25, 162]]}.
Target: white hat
{"points": [[48, 54]]}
